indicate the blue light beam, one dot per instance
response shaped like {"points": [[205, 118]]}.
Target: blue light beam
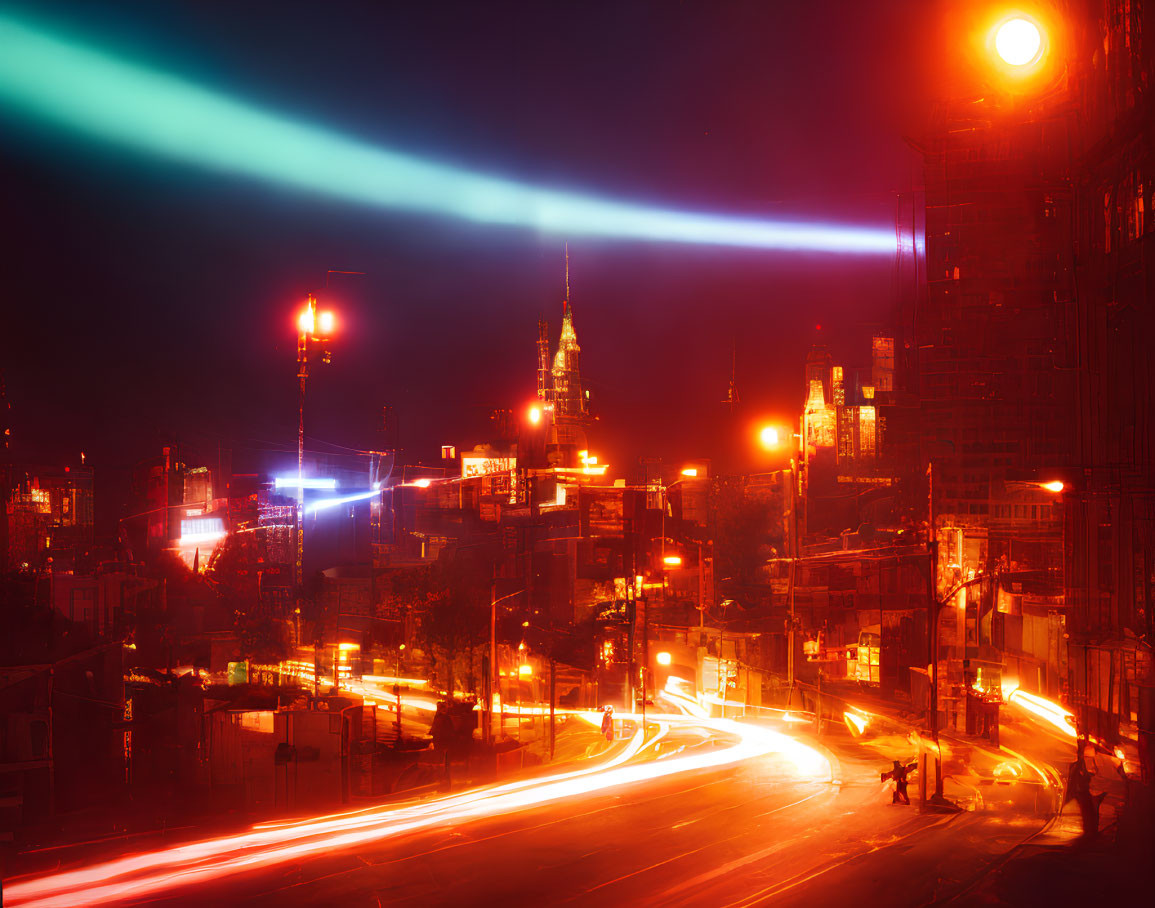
{"points": [[86, 90], [325, 503]]}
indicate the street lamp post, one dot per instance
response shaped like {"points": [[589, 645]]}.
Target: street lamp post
{"points": [[937, 606], [792, 543], [397, 690], [311, 329], [491, 674], [771, 438]]}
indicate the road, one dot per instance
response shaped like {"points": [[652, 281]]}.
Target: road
{"points": [[703, 811]]}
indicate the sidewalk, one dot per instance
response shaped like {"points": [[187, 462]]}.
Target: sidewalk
{"points": [[976, 773], [1115, 863]]}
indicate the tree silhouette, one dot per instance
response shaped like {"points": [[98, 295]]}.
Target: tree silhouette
{"points": [[747, 531], [454, 618]]}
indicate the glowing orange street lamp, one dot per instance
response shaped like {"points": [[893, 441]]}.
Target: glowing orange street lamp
{"points": [[306, 320], [672, 561], [534, 415], [1055, 485], [769, 436], [1019, 42], [664, 658]]}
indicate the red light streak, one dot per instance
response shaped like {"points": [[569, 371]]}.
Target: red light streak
{"points": [[145, 874], [1048, 711]]}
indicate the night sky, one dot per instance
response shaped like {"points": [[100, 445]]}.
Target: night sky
{"points": [[146, 300]]}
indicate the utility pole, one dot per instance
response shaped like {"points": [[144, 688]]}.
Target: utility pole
{"points": [[793, 545], [552, 702], [490, 670], [646, 649], [932, 581], [721, 660], [397, 691], [631, 618], [490, 661], [932, 598]]}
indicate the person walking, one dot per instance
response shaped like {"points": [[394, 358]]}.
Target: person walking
{"points": [[608, 723], [899, 773], [1079, 777], [442, 733]]}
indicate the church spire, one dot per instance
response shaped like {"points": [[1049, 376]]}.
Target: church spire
{"points": [[569, 400]]}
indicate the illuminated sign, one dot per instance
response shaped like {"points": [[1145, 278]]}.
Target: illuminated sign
{"points": [[200, 530], [484, 466]]}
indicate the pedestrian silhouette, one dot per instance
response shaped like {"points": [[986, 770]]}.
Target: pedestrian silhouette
{"points": [[1079, 790], [899, 773], [608, 723]]}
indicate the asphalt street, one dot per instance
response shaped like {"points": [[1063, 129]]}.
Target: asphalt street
{"points": [[738, 835]]}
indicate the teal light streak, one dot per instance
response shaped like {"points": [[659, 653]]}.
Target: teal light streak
{"points": [[86, 90]]}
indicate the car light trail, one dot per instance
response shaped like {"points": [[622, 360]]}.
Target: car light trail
{"points": [[389, 679], [1047, 710], [856, 721], [89, 91], [678, 691], [145, 874]]}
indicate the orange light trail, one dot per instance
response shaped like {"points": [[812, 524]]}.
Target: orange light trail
{"points": [[1048, 710], [142, 875]]}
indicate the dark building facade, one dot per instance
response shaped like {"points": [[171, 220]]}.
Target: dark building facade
{"points": [[1110, 525], [1033, 361]]}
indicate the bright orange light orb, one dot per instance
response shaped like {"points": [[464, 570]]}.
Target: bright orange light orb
{"points": [[535, 415], [326, 322], [664, 658], [1054, 486], [1019, 42], [769, 437], [305, 321]]}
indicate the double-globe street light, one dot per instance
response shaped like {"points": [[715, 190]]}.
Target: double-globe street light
{"points": [[313, 334]]}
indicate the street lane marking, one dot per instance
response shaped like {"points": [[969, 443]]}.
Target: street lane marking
{"points": [[794, 882], [692, 851], [681, 792]]}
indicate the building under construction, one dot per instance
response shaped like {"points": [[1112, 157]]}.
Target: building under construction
{"points": [[1110, 509], [1034, 368]]}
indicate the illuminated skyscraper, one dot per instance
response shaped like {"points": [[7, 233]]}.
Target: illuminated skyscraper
{"points": [[559, 387], [568, 400]]}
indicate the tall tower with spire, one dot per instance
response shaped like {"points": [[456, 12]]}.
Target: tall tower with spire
{"points": [[559, 385], [568, 398]]}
